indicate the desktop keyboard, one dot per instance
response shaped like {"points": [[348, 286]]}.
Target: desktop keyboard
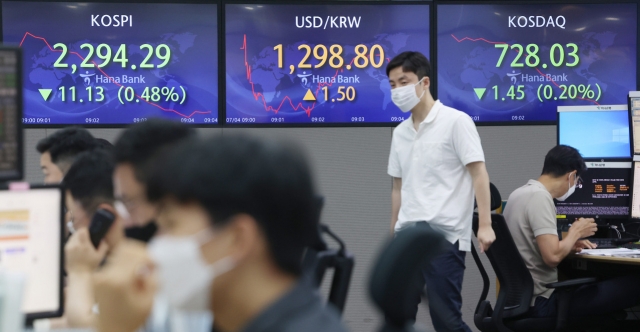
{"points": [[608, 243], [604, 243], [631, 246]]}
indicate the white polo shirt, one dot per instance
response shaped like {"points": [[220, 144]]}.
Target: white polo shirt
{"points": [[436, 185]]}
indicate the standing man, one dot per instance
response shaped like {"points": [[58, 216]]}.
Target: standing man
{"points": [[437, 164]]}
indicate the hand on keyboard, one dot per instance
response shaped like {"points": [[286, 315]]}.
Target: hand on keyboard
{"points": [[583, 244]]}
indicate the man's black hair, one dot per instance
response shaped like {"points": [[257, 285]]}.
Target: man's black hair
{"points": [[413, 62], [90, 179], [64, 145], [563, 159], [141, 142], [105, 144], [233, 175]]}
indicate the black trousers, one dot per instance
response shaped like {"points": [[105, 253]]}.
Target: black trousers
{"points": [[443, 279], [600, 298]]}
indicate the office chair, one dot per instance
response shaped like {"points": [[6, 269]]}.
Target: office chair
{"points": [[396, 277], [516, 288], [319, 258]]}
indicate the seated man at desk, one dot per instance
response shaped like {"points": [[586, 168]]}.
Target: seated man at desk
{"points": [[531, 217]]}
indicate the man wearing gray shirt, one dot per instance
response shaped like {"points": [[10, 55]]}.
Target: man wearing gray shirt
{"points": [[531, 216]]}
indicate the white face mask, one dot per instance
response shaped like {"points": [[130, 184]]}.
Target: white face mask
{"points": [[122, 210], [405, 97], [185, 277], [570, 192]]}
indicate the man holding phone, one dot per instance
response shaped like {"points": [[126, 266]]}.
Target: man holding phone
{"points": [[97, 226]]}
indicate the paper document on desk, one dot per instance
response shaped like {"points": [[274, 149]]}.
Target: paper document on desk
{"points": [[609, 252]]}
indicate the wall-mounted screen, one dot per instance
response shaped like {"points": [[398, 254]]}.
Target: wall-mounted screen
{"points": [[518, 63], [317, 64], [115, 63]]}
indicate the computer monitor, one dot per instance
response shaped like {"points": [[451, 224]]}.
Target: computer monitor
{"points": [[635, 195], [31, 242], [598, 132], [11, 162], [603, 193], [634, 111]]}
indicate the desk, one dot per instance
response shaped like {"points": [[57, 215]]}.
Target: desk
{"points": [[606, 259], [598, 266]]}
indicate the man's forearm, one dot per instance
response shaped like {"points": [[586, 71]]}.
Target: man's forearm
{"points": [[565, 247], [80, 300], [483, 198], [395, 208]]}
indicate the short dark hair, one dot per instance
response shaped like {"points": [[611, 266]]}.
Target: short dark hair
{"points": [[90, 179], [140, 143], [105, 144], [563, 159], [413, 62], [64, 145], [230, 175]]}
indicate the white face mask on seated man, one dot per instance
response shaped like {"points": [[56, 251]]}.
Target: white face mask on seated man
{"points": [[572, 189], [185, 276]]}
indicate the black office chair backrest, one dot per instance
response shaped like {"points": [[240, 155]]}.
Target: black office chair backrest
{"points": [[319, 258], [318, 242], [516, 284], [496, 199], [396, 278]]}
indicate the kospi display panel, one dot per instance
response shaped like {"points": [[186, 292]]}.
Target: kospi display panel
{"points": [[518, 63], [115, 63], [317, 64]]}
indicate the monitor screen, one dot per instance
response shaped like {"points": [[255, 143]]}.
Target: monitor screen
{"points": [[317, 64], [11, 163], [603, 193], [516, 63], [115, 63], [596, 131], [31, 243], [634, 109], [635, 196]]}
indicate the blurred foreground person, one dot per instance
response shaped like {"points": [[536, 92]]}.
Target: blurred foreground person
{"points": [[234, 215], [135, 153]]}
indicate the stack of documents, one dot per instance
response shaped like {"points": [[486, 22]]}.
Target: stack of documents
{"points": [[618, 252]]}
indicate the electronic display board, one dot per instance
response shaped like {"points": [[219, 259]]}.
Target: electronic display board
{"points": [[115, 63], [317, 64], [517, 63]]}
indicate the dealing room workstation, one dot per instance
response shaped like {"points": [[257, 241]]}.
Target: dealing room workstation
{"points": [[527, 75]]}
